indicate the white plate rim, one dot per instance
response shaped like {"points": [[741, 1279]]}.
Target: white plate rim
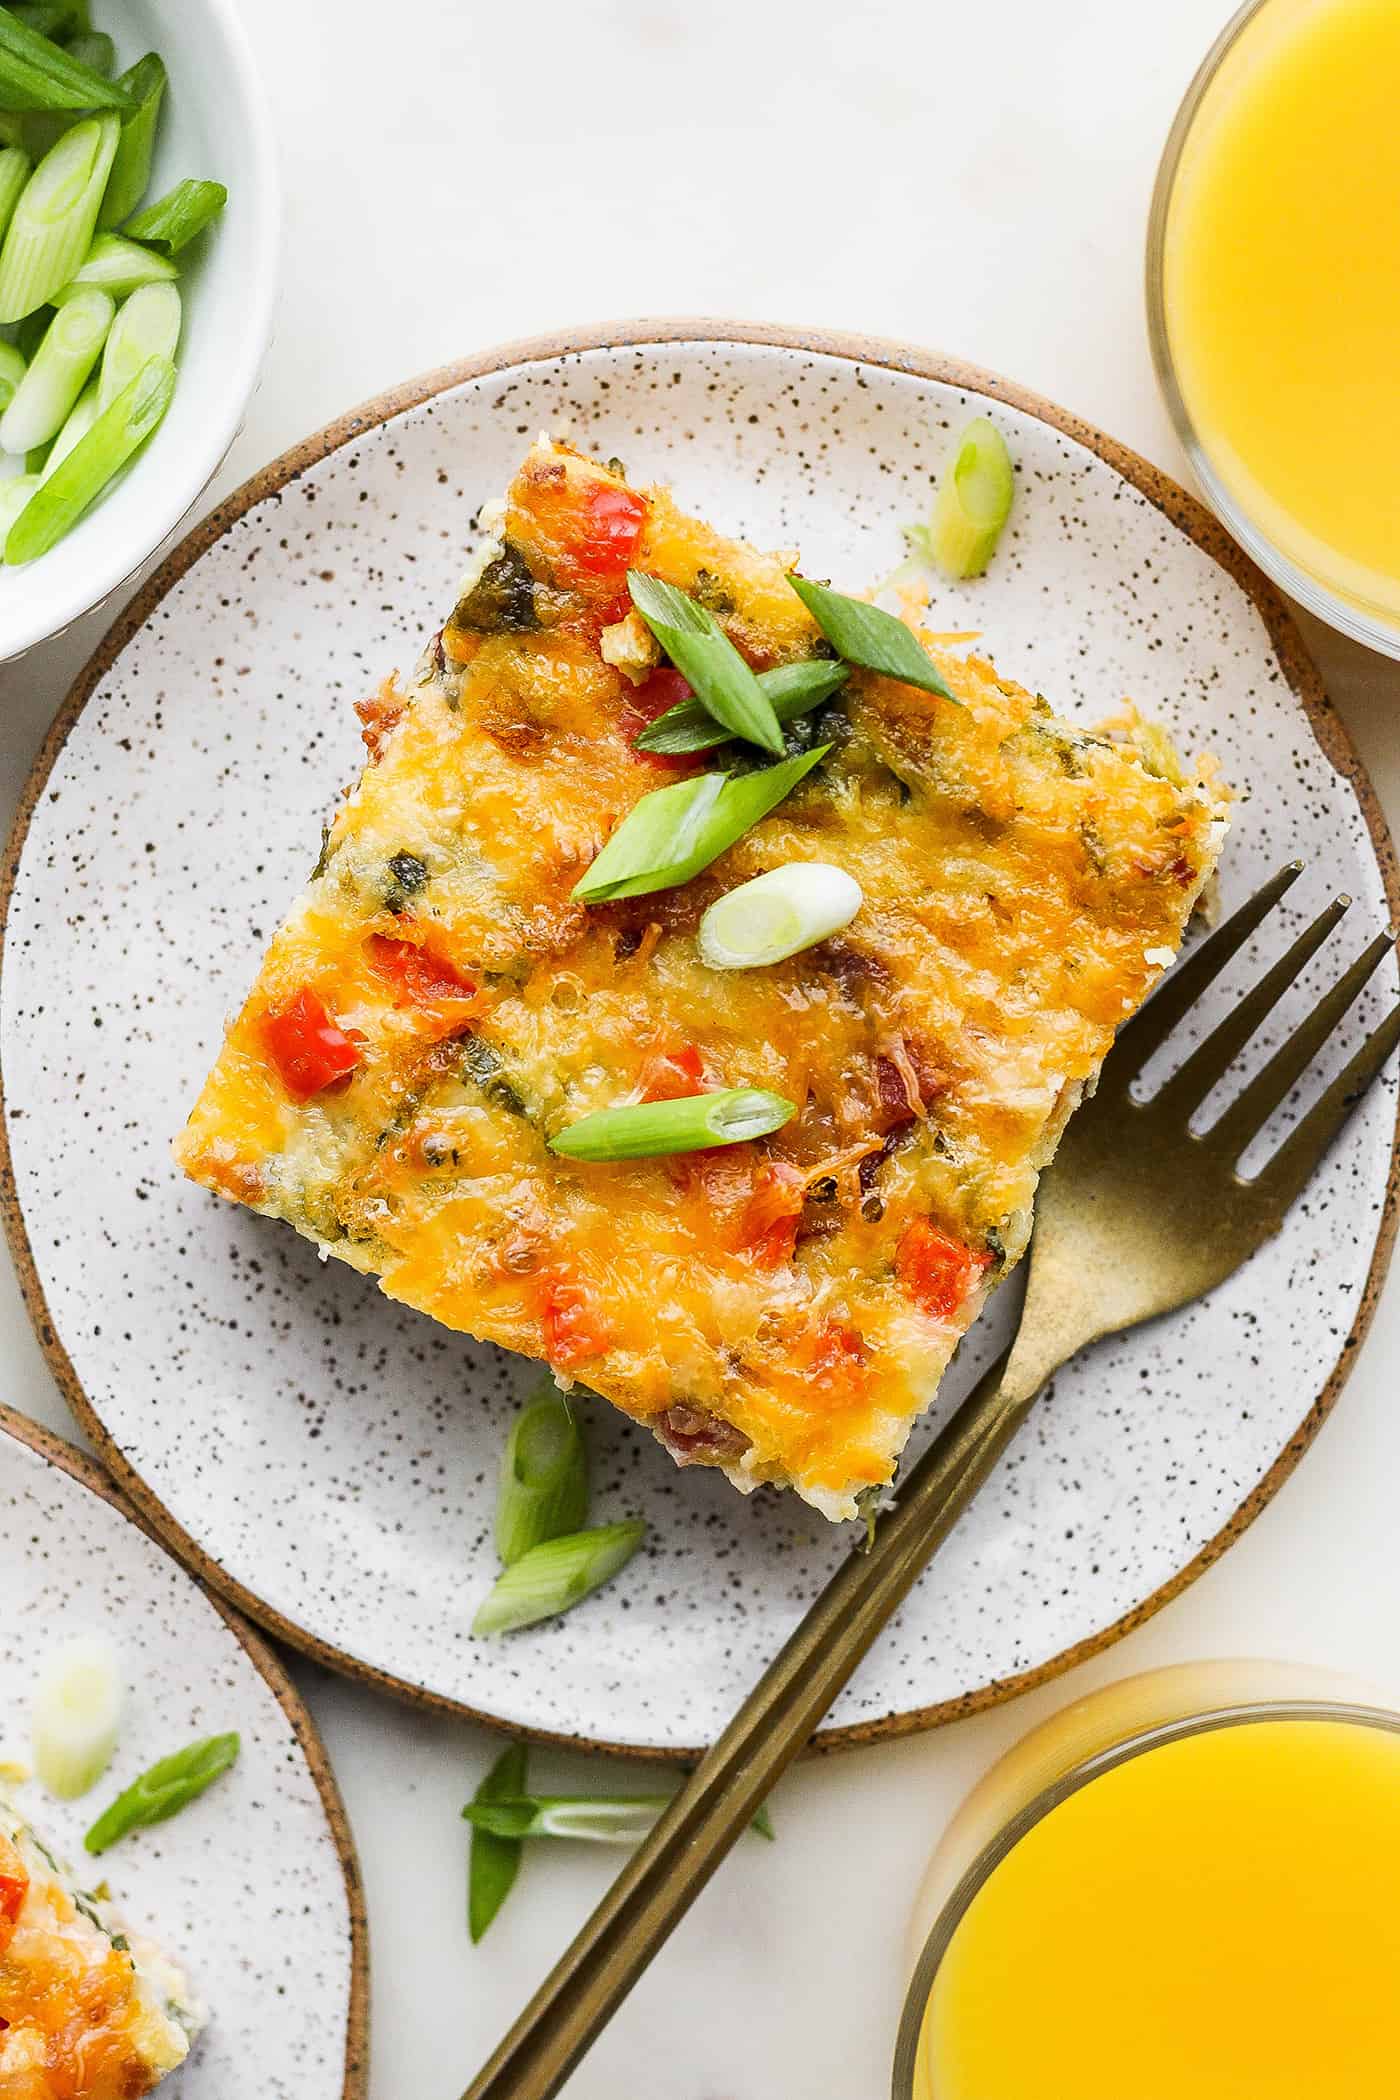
{"points": [[1177, 505], [66, 1458]]}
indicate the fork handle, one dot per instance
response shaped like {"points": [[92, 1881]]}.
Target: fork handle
{"points": [[658, 1885]]}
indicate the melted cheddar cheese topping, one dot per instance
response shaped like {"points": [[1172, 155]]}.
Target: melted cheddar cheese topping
{"points": [[782, 1308]]}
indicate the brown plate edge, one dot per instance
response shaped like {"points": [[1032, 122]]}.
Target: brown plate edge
{"points": [[56, 1451], [1183, 510]]}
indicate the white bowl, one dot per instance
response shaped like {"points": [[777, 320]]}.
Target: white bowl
{"points": [[214, 123]]}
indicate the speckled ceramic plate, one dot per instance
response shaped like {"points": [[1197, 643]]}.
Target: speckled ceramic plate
{"points": [[329, 1458], [252, 1886]]}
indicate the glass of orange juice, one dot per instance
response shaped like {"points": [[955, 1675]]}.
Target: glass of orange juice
{"points": [[1143, 1902], [1273, 286]]}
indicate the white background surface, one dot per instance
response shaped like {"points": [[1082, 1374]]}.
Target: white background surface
{"points": [[975, 179]]}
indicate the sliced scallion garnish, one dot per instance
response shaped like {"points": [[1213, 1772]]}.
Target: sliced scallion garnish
{"points": [[144, 84], [81, 418], [671, 834], [174, 220], [544, 1476], [973, 501], [118, 432], [12, 371], [791, 690], [57, 373], [161, 1792], [147, 325], [36, 73], [702, 652], [76, 1715], [597, 1819], [15, 171], [495, 1860], [778, 914], [656, 1129], [553, 1577], [52, 225], [14, 497], [94, 49], [875, 640], [117, 265]]}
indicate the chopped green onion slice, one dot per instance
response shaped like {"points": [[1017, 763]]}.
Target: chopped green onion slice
{"points": [[169, 1785], [655, 1129], [94, 49], [172, 222], [76, 1714], [557, 1575], [117, 265], [58, 372], [15, 171], [777, 915], [131, 168], [865, 635], [12, 370], [598, 1819], [14, 496], [84, 414], [973, 501], [791, 689], [672, 833], [544, 1476], [36, 73], [704, 655], [53, 222], [495, 1860], [119, 431], [147, 325]]}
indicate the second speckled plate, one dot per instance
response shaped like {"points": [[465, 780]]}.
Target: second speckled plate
{"points": [[329, 1458]]}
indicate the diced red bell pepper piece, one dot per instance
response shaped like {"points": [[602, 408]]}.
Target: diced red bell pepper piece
{"points": [[839, 1355], [672, 1072], [14, 1887], [937, 1272], [574, 1329], [768, 1228], [418, 976], [310, 1050], [609, 526]]}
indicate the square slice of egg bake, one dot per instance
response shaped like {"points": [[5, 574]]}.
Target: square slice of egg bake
{"points": [[440, 1005], [89, 2010]]}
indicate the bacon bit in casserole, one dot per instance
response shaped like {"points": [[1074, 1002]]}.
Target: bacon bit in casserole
{"points": [[671, 1071], [574, 1330], [937, 1272], [419, 979], [839, 1356], [906, 1072], [695, 1438], [768, 1227], [380, 715], [310, 1050]]}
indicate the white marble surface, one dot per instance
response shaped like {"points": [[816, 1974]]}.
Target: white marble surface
{"points": [[976, 179]]}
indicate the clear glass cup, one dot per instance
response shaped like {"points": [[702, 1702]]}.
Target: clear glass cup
{"points": [[1371, 625], [1071, 1750]]}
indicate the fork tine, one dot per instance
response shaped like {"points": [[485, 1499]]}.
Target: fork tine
{"points": [[1210, 1060], [1178, 993], [1282, 1177], [1248, 1113]]}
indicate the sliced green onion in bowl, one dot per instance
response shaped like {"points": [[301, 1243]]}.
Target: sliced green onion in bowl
{"points": [[778, 914], [658, 1129], [554, 1577], [702, 652], [671, 834], [14, 497], [58, 503], [175, 219], [58, 372], [164, 1789], [76, 1716], [94, 49], [36, 73], [495, 1860], [973, 501], [544, 1476], [116, 265], [15, 171], [145, 84], [147, 325], [868, 636], [81, 418], [52, 225], [12, 370], [791, 690]]}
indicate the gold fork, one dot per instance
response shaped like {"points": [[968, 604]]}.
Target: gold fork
{"points": [[1138, 1215]]}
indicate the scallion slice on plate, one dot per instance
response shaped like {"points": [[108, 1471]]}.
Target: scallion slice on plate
{"points": [[596, 1819], [778, 914], [144, 84], [174, 220], [52, 225], [791, 690], [36, 73], [544, 1476], [553, 1577], [973, 501], [866, 635], [117, 265], [164, 1789], [674, 832], [702, 652], [657, 1129], [147, 325], [495, 1860], [119, 431], [76, 1716], [57, 373]]}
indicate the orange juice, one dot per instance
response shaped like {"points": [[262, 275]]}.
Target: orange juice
{"points": [[1280, 286], [1215, 1918]]}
